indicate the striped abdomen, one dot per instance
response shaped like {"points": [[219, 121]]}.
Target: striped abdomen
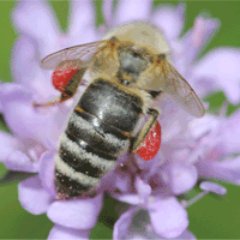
{"points": [[97, 133]]}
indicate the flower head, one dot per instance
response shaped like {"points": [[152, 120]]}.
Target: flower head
{"points": [[192, 149]]}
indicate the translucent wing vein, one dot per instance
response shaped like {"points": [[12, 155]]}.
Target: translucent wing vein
{"points": [[83, 53], [181, 90]]}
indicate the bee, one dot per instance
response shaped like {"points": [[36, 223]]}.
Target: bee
{"points": [[128, 70]]}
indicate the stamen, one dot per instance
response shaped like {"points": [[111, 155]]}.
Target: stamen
{"points": [[206, 187], [195, 199], [212, 187]]}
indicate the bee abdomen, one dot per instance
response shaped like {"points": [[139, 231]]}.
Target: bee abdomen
{"points": [[85, 155], [104, 143], [70, 183], [78, 170]]}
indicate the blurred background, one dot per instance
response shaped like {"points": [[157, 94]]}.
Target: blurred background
{"points": [[212, 217]]}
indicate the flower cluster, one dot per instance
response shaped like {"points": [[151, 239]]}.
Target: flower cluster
{"points": [[192, 149]]}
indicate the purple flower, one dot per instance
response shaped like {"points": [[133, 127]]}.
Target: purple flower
{"points": [[155, 215], [36, 131], [192, 149]]}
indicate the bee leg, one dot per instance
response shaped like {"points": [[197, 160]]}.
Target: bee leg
{"points": [[67, 93], [140, 137], [61, 99]]}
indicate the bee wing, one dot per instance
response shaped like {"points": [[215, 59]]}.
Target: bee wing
{"points": [[182, 92], [82, 53], [167, 79]]}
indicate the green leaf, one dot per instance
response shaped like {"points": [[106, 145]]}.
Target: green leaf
{"points": [[101, 231]]}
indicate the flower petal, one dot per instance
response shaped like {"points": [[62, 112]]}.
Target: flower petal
{"points": [[19, 155], [24, 53], [35, 19], [33, 197], [27, 71], [46, 172], [180, 177], [8, 144], [227, 170], [134, 224], [107, 9], [130, 198], [168, 217], [121, 227], [187, 235], [131, 10], [203, 126], [19, 161], [169, 19], [76, 214], [226, 78], [144, 190], [40, 125], [201, 33], [122, 181], [62, 233], [230, 139], [82, 22]]}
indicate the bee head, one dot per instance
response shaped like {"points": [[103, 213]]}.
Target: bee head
{"points": [[132, 63]]}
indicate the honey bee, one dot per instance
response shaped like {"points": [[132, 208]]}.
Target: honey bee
{"points": [[128, 69]]}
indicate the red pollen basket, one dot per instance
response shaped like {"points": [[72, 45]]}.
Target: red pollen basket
{"points": [[151, 145], [60, 78]]}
